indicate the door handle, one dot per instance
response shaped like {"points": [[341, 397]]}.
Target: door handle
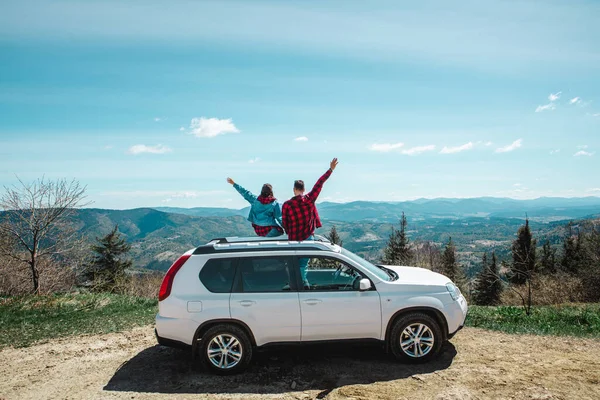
{"points": [[247, 303], [312, 302]]}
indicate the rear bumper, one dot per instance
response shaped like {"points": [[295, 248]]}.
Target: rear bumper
{"points": [[175, 329], [170, 342]]}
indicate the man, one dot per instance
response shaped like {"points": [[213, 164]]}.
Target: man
{"points": [[299, 214]]}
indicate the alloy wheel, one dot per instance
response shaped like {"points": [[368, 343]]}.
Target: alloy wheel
{"points": [[224, 351], [417, 340]]}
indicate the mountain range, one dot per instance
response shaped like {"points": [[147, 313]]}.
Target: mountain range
{"points": [[159, 235], [543, 209]]}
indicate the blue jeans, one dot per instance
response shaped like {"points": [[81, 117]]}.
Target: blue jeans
{"points": [[274, 232], [303, 264]]}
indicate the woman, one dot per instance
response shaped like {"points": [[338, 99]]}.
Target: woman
{"points": [[265, 212]]}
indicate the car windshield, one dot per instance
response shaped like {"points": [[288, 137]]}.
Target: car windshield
{"points": [[381, 274]]}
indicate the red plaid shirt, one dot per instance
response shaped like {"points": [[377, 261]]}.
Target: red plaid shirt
{"points": [[264, 230], [299, 214]]}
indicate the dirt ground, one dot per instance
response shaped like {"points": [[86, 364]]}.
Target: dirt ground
{"points": [[477, 364]]}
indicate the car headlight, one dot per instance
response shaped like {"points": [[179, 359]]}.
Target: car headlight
{"points": [[453, 290]]}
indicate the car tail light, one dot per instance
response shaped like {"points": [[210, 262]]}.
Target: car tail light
{"points": [[167, 283]]}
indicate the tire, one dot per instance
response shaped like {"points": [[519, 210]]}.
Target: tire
{"points": [[428, 345], [229, 338]]}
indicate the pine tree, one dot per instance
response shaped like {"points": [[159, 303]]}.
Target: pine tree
{"points": [[523, 254], [589, 270], [108, 267], [488, 286], [334, 237], [397, 250], [548, 259], [450, 267], [572, 252]]}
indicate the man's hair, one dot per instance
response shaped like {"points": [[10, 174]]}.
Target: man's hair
{"points": [[299, 185], [267, 190]]}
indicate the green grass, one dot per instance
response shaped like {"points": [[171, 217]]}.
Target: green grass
{"points": [[28, 319], [564, 320]]}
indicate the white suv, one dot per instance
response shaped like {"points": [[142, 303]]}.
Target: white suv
{"points": [[232, 295]]}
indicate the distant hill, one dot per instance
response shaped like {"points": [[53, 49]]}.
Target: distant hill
{"points": [[204, 211], [475, 225], [544, 209], [158, 238]]}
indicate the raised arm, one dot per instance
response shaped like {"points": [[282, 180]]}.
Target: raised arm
{"points": [[246, 194], [316, 190]]}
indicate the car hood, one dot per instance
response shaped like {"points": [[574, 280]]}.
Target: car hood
{"points": [[419, 276]]}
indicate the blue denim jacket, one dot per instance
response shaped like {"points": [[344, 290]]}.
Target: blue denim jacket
{"points": [[261, 214]]}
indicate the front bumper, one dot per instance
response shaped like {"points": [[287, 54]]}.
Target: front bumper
{"points": [[457, 315]]}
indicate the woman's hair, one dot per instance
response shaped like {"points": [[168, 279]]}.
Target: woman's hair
{"points": [[267, 190]]}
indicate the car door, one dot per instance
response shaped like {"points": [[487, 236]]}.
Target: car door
{"points": [[332, 306], [265, 298]]}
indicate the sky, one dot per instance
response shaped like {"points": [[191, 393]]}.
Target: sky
{"points": [[155, 103]]}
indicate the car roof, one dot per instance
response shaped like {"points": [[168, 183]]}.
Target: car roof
{"points": [[256, 244]]}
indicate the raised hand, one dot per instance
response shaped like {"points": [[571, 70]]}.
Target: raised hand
{"points": [[230, 181], [333, 164]]}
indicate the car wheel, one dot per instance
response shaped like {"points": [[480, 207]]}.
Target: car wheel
{"points": [[226, 349], [416, 338]]}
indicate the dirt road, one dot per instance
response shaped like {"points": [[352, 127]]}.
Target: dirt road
{"points": [[478, 364]]}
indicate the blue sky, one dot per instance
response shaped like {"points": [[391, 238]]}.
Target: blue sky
{"points": [[154, 103]]}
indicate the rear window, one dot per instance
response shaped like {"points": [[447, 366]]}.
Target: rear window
{"points": [[217, 275], [266, 274]]}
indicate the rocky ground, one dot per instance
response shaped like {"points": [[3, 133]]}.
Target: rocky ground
{"points": [[477, 364]]}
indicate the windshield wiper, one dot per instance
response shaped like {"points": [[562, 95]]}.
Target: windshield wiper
{"points": [[393, 276]]}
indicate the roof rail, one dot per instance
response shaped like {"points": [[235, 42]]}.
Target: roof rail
{"points": [[236, 239]]}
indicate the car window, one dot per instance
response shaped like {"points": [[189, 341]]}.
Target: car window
{"points": [[265, 274], [328, 274], [217, 274]]}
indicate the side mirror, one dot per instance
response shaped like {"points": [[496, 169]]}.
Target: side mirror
{"points": [[365, 284]]}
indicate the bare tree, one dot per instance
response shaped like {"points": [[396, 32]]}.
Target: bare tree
{"points": [[36, 222]]}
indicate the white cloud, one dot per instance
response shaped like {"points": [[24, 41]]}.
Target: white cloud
{"points": [[517, 184], [142, 148], [182, 129], [575, 100], [108, 147], [181, 195], [254, 160], [514, 145], [554, 151], [385, 147], [554, 96], [184, 195], [211, 127], [301, 139], [596, 115], [413, 151], [457, 149], [488, 143], [160, 119], [549, 106], [583, 146], [593, 190], [583, 153], [162, 193]]}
